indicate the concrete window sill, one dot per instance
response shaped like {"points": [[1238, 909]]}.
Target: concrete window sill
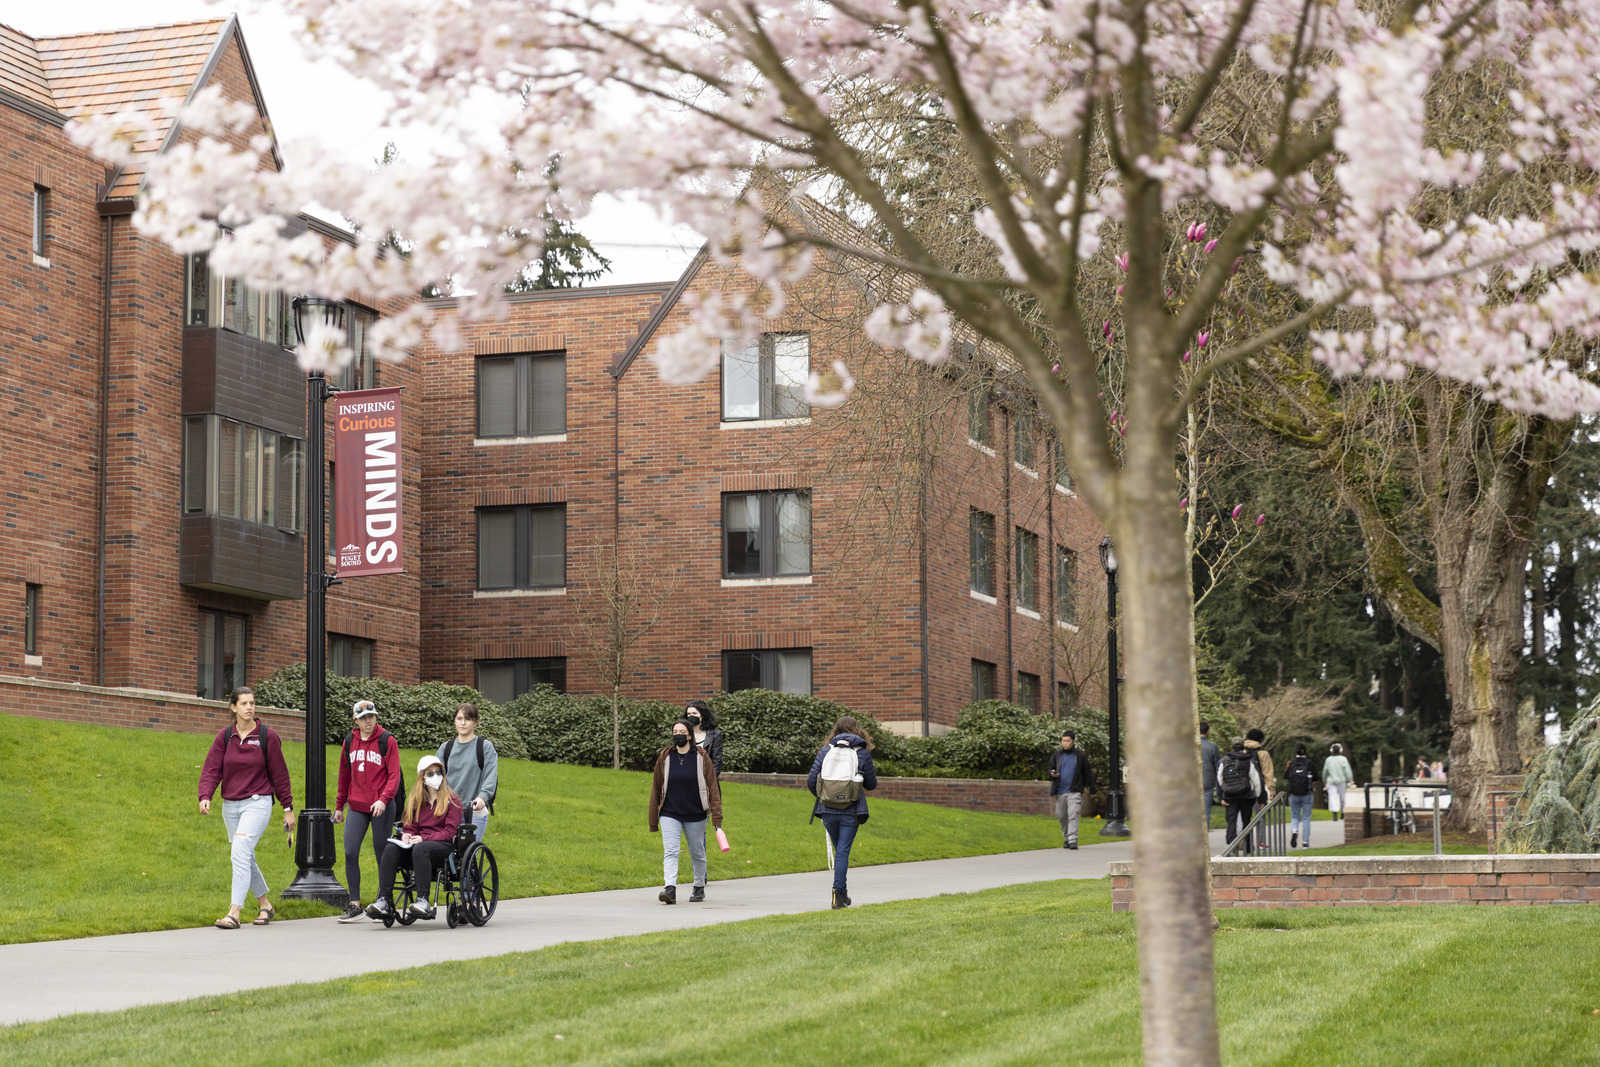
{"points": [[503, 594], [539, 439], [985, 597], [980, 446], [762, 424], [751, 583]]}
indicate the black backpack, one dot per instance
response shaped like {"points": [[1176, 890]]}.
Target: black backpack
{"points": [[1299, 773], [384, 737], [1234, 776], [480, 771]]}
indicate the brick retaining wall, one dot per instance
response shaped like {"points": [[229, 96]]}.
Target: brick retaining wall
{"points": [[146, 709], [1356, 880], [973, 794]]}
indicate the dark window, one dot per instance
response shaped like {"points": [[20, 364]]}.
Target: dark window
{"points": [[30, 620], [982, 680], [362, 370], [781, 670], [523, 547], [1028, 690], [1066, 585], [222, 654], [242, 471], [981, 551], [1066, 697], [766, 379], [522, 396], [1022, 441], [766, 535], [1027, 583], [210, 299], [503, 680], [349, 657], [1058, 454], [978, 416], [41, 212]]}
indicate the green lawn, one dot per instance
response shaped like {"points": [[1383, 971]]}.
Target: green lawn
{"points": [[103, 835], [1040, 973]]}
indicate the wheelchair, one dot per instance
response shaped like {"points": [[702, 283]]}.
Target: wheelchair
{"points": [[466, 886]]}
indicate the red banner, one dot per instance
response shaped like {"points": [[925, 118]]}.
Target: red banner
{"points": [[367, 482]]}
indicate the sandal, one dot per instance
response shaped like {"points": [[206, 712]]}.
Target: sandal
{"points": [[268, 913], [227, 922]]}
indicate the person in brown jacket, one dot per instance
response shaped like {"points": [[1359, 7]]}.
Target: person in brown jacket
{"points": [[683, 793], [1255, 744]]}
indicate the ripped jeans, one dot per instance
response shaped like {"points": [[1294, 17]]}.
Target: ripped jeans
{"points": [[246, 821]]}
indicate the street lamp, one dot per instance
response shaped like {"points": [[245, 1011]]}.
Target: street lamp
{"points": [[1116, 815], [314, 854]]}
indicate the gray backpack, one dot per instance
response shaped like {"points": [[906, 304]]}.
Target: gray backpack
{"points": [[839, 783]]}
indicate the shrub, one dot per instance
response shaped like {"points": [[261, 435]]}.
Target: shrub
{"points": [[558, 728], [765, 732]]}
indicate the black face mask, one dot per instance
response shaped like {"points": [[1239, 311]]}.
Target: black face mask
{"points": [[681, 740], [694, 720]]}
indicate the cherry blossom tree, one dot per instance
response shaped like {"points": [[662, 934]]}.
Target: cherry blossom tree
{"points": [[1103, 144]]}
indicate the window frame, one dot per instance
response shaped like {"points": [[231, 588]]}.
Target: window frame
{"points": [[1066, 585], [523, 668], [985, 676], [1025, 559], [1029, 689], [767, 404], [1024, 443], [981, 551], [31, 594], [274, 501], [1062, 473], [767, 665], [219, 637], [522, 547], [340, 646], [41, 219], [767, 534], [524, 414], [979, 417]]}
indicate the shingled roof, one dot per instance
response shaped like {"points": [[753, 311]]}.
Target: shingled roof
{"points": [[104, 73]]}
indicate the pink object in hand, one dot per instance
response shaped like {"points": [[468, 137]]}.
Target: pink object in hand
{"points": [[722, 839]]}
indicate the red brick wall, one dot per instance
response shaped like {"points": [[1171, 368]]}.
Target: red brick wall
{"points": [[137, 708], [973, 794]]}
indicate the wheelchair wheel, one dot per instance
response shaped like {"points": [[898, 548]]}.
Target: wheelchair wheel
{"points": [[404, 896], [451, 918], [480, 884]]}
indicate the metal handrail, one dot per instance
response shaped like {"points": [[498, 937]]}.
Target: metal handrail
{"points": [[1268, 831], [1435, 787]]}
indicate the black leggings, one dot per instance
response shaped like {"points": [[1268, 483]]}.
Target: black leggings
{"points": [[355, 828], [421, 858]]}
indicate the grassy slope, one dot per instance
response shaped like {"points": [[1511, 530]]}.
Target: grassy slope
{"points": [[1032, 974], [103, 835]]}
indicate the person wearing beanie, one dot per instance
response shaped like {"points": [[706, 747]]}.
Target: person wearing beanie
{"points": [[369, 780]]}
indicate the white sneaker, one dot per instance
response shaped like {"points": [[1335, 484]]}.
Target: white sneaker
{"points": [[421, 910]]}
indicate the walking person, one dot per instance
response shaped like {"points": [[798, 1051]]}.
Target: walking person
{"points": [[1239, 781], [369, 785], [1210, 756], [1300, 778], [703, 721], [246, 761], [1070, 776], [683, 793], [1336, 775], [1255, 743], [840, 777], [428, 824], [472, 766]]}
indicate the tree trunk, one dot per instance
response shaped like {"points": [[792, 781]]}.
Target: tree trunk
{"points": [[1170, 853], [616, 731]]}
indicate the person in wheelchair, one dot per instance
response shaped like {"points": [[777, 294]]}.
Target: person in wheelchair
{"points": [[427, 831]]}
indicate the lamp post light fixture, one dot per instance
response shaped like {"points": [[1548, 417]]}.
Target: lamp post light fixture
{"points": [[314, 852], [1116, 813]]}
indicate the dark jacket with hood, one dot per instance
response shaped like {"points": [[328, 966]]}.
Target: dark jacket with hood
{"points": [[869, 777]]}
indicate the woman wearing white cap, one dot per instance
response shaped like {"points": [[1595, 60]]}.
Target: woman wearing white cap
{"points": [[369, 781], [427, 826]]}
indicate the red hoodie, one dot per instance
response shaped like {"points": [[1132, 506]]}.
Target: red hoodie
{"points": [[367, 776], [431, 827], [243, 770]]}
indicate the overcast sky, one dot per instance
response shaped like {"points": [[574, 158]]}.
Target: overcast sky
{"points": [[320, 101]]}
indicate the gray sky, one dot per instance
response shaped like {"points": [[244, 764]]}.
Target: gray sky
{"points": [[297, 92]]}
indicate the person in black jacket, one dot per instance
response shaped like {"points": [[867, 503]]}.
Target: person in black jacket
{"points": [[698, 714], [1070, 776], [842, 823]]}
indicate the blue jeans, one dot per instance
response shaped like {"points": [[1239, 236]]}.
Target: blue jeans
{"points": [[841, 827], [671, 831], [246, 820], [1211, 800], [1300, 813], [480, 821]]}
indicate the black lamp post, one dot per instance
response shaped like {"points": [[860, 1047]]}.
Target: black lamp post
{"points": [[314, 853], [1116, 814]]}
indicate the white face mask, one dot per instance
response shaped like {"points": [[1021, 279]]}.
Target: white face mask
{"points": [[433, 781]]}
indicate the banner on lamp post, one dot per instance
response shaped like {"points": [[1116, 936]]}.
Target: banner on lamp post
{"points": [[367, 484]]}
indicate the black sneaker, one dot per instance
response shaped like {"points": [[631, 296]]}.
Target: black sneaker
{"points": [[698, 895], [1294, 840], [840, 899], [1065, 845], [1073, 846], [378, 909], [668, 895], [353, 913]]}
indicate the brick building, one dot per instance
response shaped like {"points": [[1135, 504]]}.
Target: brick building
{"points": [[909, 552]]}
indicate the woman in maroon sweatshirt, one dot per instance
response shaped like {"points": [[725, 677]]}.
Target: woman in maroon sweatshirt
{"points": [[369, 776], [427, 826], [246, 760]]}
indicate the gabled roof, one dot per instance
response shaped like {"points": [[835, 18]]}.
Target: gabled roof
{"points": [[149, 70]]}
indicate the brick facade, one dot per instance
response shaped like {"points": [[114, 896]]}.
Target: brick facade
{"points": [[140, 709], [973, 794]]}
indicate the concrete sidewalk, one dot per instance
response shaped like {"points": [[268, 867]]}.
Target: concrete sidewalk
{"points": [[53, 978]]}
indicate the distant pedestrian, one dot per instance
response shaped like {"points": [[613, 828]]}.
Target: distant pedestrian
{"points": [[1239, 780], [703, 721], [369, 783], [1255, 743], [1070, 776], [1300, 778], [1422, 770], [683, 793], [246, 761], [1210, 756], [428, 825], [1336, 774], [841, 795], [1436, 769], [472, 767]]}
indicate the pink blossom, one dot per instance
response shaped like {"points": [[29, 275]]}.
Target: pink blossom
{"points": [[1196, 233], [1201, 339], [1211, 246], [1236, 509], [1260, 519], [1055, 368], [1122, 261], [1183, 504], [1188, 356], [1119, 290]]}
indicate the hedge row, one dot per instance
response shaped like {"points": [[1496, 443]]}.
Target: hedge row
{"points": [[763, 731]]}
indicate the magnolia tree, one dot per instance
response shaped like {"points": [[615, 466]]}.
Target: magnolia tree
{"points": [[1134, 156]]}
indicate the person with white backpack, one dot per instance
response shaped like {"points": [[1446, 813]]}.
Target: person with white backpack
{"points": [[840, 777]]}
